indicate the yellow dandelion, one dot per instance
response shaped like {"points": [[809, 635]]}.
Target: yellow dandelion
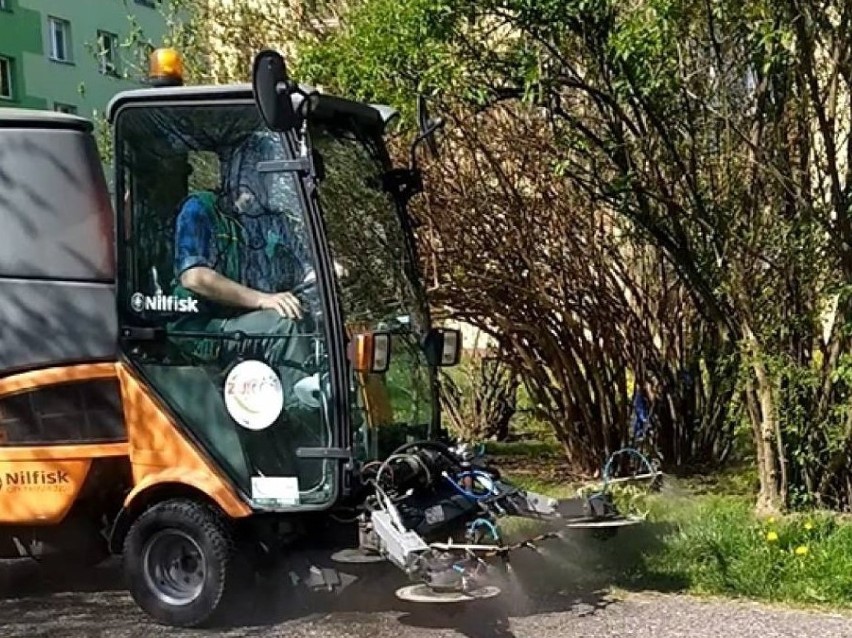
{"points": [[771, 520], [809, 526], [771, 536], [801, 550]]}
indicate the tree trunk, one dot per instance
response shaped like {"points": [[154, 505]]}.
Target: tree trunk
{"points": [[763, 414]]}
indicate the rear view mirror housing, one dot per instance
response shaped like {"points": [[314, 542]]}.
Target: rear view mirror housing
{"points": [[369, 352], [443, 347], [273, 91]]}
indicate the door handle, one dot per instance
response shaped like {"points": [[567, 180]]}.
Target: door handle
{"points": [[143, 333]]}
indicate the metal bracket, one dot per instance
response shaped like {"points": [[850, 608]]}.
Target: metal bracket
{"points": [[323, 453], [403, 183], [140, 333], [285, 166]]}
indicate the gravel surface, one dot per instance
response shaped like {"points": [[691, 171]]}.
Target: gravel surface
{"points": [[34, 603]]}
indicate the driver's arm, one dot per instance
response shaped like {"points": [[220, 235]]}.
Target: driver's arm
{"points": [[208, 283], [194, 257]]}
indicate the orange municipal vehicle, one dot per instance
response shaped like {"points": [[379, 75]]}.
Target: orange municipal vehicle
{"points": [[234, 353]]}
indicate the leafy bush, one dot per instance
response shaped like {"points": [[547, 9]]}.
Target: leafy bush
{"points": [[479, 397]]}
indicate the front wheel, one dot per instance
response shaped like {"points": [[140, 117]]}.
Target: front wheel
{"points": [[179, 561]]}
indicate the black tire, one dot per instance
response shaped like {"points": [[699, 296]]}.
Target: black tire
{"points": [[198, 583]]}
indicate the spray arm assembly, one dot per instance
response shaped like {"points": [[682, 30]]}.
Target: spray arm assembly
{"points": [[434, 511]]}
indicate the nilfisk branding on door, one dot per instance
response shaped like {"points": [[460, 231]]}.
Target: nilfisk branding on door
{"points": [[35, 481], [163, 303]]}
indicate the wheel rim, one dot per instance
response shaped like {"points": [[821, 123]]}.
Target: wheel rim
{"points": [[174, 567]]}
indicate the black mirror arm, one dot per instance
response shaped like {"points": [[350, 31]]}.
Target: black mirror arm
{"points": [[431, 130]]}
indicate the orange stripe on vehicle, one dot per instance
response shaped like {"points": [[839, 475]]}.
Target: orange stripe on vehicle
{"points": [[60, 452]]}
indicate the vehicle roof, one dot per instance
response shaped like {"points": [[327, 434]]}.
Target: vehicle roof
{"points": [[372, 115], [184, 92], [40, 118]]}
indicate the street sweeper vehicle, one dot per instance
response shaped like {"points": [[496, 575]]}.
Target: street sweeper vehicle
{"points": [[235, 354]]}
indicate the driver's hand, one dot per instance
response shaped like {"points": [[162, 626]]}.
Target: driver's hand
{"points": [[284, 303]]}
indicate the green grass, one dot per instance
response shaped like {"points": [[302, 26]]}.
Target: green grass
{"points": [[716, 545], [702, 537], [530, 449]]}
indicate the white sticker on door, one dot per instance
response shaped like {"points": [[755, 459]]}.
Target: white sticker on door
{"points": [[275, 491], [253, 395]]}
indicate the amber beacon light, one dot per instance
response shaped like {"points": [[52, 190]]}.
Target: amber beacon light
{"points": [[165, 68]]}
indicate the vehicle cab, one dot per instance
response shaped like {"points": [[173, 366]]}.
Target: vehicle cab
{"points": [[268, 288]]}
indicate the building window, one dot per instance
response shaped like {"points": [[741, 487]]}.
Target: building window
{"points": [[65, 108], [107, 52], [60, 39], [6, 79]]}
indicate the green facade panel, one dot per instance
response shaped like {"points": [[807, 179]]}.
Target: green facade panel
{"points": [[74, 79], [20, 33]]}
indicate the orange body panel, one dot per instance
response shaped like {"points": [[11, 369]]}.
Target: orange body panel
{"points": [[373, 390], [376, 400], [40, 492], [39, 484], [160, 454]]}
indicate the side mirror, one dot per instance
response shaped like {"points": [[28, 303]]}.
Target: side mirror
{"points": [[272, 91], [443, 347], [369, 352]]}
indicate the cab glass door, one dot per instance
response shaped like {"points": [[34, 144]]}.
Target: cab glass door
{"points": [[219, 305]]}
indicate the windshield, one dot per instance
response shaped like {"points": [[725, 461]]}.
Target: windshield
{"points": [[379, 287]]}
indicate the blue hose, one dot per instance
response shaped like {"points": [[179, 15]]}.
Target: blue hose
{"points": [[461, 490], [491, 527]]}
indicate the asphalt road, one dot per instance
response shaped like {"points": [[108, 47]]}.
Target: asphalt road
{"points": [[34, 603]]}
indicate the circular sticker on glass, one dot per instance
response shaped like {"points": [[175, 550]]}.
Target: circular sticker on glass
{"points": [[253, 395]]}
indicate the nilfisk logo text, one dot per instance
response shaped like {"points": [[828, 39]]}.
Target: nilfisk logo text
{"points": [[162, 303], [36, 480]]}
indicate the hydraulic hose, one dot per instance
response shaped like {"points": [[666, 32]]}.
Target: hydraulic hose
{"points": [[491, 527], [477, 497], [626, 450]]}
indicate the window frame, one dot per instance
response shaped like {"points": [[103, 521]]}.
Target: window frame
{"points": [[62, 107], [107, 58], [52, 23], [9, 76]]}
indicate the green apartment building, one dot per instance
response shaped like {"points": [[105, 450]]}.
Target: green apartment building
{"points": [[72, 55]]}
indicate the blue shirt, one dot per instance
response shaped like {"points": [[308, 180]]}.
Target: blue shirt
{"points": [[258, 249]]}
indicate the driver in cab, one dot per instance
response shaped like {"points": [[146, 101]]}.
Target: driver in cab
{"points": [[239, 252]]}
